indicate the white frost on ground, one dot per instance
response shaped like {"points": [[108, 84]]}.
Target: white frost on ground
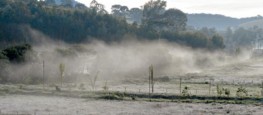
{"points": [[41, 105]]}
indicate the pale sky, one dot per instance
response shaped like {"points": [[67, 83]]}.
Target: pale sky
{"points": [[233, 8]]}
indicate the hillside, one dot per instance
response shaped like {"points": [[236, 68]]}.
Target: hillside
{"points": [[219, 22], [258, 23]]}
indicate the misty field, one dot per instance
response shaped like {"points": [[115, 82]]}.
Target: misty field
{"points": [[167, 79]]}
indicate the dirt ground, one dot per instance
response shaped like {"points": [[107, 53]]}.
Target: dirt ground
{"points": [[42, 105]]}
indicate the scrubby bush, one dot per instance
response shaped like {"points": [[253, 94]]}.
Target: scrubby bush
{"points": [[185, 91], [241, 92], [222, 91]]}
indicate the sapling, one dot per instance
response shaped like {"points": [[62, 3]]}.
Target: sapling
{"points": [[105, 87], [125, 89], [210, 88], [43, 74], [219, 90], [210, 85], [62, 70], [82, 86], [93, 81]]}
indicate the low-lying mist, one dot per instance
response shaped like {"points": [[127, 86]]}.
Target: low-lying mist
{"points": [[122, 60]]}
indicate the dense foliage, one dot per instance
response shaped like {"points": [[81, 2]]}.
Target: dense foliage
{"points": [[15, 53], [78, 24]]}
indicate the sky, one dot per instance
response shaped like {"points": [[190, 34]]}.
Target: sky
{"points": [[232, 8]]}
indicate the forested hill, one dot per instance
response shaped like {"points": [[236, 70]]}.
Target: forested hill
{"points": [[219, 22], [80, 23]]}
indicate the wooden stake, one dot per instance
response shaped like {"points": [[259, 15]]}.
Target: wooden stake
{"points": [[152, 78], [180, 86], [43, 74], [210, 87]]}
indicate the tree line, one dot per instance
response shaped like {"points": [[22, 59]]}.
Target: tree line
{"points": [[81, 23]]}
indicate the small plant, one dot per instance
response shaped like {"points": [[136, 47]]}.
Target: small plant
{"points": [[241, 92], [185, 91], [21, 86], [227, 92], [57, 88], [82, 86]]}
